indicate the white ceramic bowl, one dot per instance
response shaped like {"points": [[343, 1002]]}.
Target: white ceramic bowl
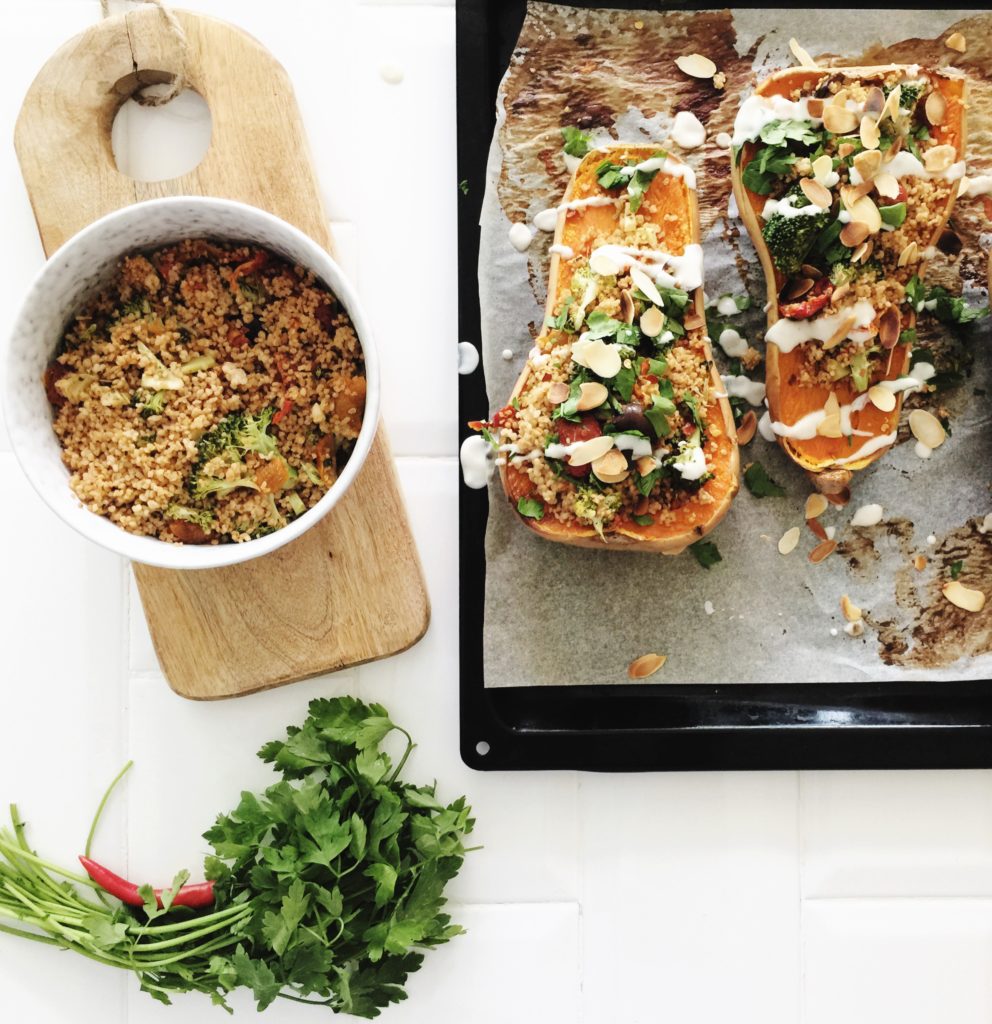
{"points": [[74, 273]]}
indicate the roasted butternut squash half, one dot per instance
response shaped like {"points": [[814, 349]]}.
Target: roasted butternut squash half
{"points": [[618, 433], [845, 179]]}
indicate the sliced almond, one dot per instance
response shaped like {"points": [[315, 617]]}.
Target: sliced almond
{"points": [[604, 360], [875, 101], [652, 321], [693, 320], [816, 528], [839, 498], [646, 665], [956, 41], [867, 163], [853, 234], [840, 97], [811, 272], [938, 158], [591, 450], [882, 398], [891, 108], [805, 60], [849, 609], [927, 428], [894, 148], [935, 107], [869, 132], [886, 185], [789, 540], [919, 563], [816, 505], [822, 166], [840, 291], [611, 468], [816, 193], [746, 431], [627, 308], [963, 597], [889, 327], [815, 107], [909, 254], [600, 263], [696, 65], [855, 628], [646, 285], [558, 392], [840, 335], [845, 149], [796, 289], [591, 396], [830, 427], [645, 464], [866, 211], [850, 194], [839, 120], [863, 251], [822, 550]]}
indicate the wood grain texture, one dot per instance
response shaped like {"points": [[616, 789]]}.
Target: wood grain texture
{"points": [[351, 589]]}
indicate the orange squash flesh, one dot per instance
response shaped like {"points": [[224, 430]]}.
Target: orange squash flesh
{"points": [[788, 401], [581, 230]]}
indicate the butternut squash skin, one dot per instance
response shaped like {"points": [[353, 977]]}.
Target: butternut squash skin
{"points": [[787, 402], [579, 229]]}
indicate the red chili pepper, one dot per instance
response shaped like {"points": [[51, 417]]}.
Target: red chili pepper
{"points": [[811, 303], [283, 412], [200, 894]]}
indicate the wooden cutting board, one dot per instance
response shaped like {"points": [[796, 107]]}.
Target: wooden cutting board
{"points": [[351, 589]]}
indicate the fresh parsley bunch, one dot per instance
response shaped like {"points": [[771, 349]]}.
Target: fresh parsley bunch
{"points": [[327, 886]]}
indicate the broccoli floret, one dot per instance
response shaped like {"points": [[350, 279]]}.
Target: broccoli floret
{"points": [[153, 404], [250, 434], [156, 375], [860, 370], [202, 517], [296, 503], [232, 437], [789, 239], [207, 486]]}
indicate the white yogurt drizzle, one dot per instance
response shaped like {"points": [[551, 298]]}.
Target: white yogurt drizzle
{"points": [[905, 165], [868, 448], [520, 237], [691, 462], [687, 130], [744, 387], [686, 270], [980, 185], [757, 111], [547, 220], [804, 429], [476, 456], [726, 306], [664, 164], [787, 334], [730, 340], [786, 207], [566, 252]]}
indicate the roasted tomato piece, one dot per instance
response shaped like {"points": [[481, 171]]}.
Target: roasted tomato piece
{"points": [[188, 533], [568, 433], [810, 304], [53, 373]]}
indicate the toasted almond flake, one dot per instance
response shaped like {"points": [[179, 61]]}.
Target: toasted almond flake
{"points": [[840, 97], [693, 320], [646, 665], [832, 405], [789, 540], [811, 272], [939, 158], [887, 185], [604, 360], [822, 166], [841, 291], [830, 427], [839, 498], [815, 107], [894, 148], [816, 505], [855, 628], [645, 464], [816, 528], [935, 107], [927, 428], [591, 396], [866, 211], [591, 450], [652, 321], [920, 563], [863, 251], [816, 193], [839, 120], [746, 431], [909, 254], [963, 597], [867, 163], [795, 289], [600, 263], [955, 41], [853, 234], [805, 60], [850, 610], [869, 132], [841, 333], [845, 149], [868, 515], [696, 65], [627, 308], [882, 398], [889, 327], [891, 108], [646, 285], [822, 550], [611, 468], [875, 101], [558, 392]]}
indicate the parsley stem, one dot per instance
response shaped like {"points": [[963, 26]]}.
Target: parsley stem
{"points": [[101, 895], [236, 910], [179, 940], [409, 749]]}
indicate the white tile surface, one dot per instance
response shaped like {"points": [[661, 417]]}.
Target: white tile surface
{"points": [[897, 833], [911, 961]]}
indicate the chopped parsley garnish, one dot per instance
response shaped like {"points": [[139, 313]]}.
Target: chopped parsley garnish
{"points": [[956, 568], [644, 520], [576, 142], [760, 484], [531, 508], [706, 553]]}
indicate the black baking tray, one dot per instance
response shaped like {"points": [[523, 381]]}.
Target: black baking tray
{"points": [[647, 727]]}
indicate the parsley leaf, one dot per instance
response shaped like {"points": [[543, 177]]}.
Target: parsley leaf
{"points": [[956, 568], [576, 142], [531, 508], [706, 553], [760, 484]]}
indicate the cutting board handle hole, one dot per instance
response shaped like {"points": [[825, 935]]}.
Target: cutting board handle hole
{"points": [[159, 143]]}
